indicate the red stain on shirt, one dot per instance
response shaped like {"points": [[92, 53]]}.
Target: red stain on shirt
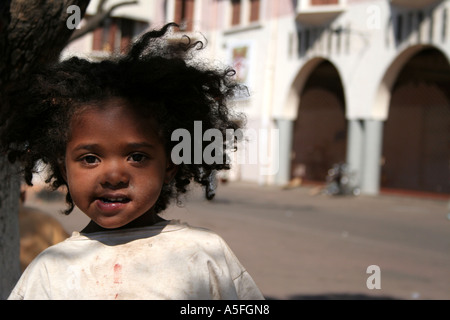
{"points": [[117, 273]]}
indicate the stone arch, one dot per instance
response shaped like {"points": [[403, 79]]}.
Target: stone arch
{"points": [[290, 108], [382, 99]]}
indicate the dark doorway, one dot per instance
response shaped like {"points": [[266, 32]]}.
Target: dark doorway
{"points": [[416, 141], [320, 130]]}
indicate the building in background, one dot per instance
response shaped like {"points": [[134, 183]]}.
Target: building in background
{"points": [[123, 25], [366, 82]]}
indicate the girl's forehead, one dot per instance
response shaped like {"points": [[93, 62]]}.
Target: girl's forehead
{"points": [[112, 114], [103, 105], [113, 106]]}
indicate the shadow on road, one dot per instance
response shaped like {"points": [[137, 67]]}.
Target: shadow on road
{"points": [[334, 296]]}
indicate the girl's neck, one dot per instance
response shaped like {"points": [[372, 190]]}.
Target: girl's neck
{"points": [[145, 220]]}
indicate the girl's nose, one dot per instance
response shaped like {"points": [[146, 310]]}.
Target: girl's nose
{"points": [[115, 175]]}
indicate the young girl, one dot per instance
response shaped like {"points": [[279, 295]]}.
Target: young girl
{"points": [[104, 131]]}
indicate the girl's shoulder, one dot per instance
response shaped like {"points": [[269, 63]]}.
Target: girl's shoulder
{"points": [[167, 231], [184, 229]]}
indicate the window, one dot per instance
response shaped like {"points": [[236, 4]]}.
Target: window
{"points": [[184, 14], [115, 34], [444, 25], [254, 10], [420, 17], [235, 12], [399, 31]]}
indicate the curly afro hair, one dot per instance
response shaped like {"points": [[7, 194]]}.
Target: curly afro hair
{"points": [[158, 75]]}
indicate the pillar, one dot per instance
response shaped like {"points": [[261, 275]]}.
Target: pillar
{"points": [[373, 138], [355, 145], [285, 128]]}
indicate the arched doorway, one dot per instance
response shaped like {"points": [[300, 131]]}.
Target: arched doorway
{"points": [[320, 129], [416, 139]]}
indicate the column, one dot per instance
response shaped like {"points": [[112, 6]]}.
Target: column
{"points": [[285, 128], [355, 143], [372, 157]]}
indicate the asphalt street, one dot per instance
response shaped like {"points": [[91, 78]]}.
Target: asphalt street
{"points": [[298, 244]]}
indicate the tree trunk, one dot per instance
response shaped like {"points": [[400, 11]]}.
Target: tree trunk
{"points": [[9, 228], [32, 33]]}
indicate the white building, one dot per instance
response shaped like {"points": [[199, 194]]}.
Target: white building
{"points": [[365, 82]]}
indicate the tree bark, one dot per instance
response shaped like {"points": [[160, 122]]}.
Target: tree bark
{"points": [[32, 33], [9, 228], [36, 34]]}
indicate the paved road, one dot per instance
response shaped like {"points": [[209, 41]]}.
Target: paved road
{"points": [[297, 245]]}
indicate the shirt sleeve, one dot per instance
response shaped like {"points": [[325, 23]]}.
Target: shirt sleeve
{"points": [[33, 283], [246, 287]]}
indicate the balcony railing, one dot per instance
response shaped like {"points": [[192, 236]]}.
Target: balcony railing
{"points": [[321, 2], [414, 3], [319, 12]]}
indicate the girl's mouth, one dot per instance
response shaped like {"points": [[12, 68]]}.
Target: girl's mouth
{"points": [[111, 205], [115, 200]]}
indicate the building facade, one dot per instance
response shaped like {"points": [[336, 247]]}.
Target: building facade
{"points": [[366, 82]]}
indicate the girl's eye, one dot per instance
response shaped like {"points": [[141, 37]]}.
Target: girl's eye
{"points": [[90, 159], [137, 157]]}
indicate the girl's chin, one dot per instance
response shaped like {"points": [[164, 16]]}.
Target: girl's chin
{"points": [[104, 222], [103, 225]]}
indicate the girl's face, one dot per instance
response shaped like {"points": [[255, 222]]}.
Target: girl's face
{"points": [[115, 164]]}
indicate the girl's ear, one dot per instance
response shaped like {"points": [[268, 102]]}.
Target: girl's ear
{"points": [[171, 171]]}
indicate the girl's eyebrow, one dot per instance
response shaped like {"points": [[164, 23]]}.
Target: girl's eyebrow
{"points": [[132, 145], [138, 145], [88, 147]]}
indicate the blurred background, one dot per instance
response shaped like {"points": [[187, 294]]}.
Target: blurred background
{"points": [[348, 164], [362, 82]]}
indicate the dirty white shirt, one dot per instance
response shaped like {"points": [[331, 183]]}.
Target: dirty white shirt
{"points": [[168, 260]]}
